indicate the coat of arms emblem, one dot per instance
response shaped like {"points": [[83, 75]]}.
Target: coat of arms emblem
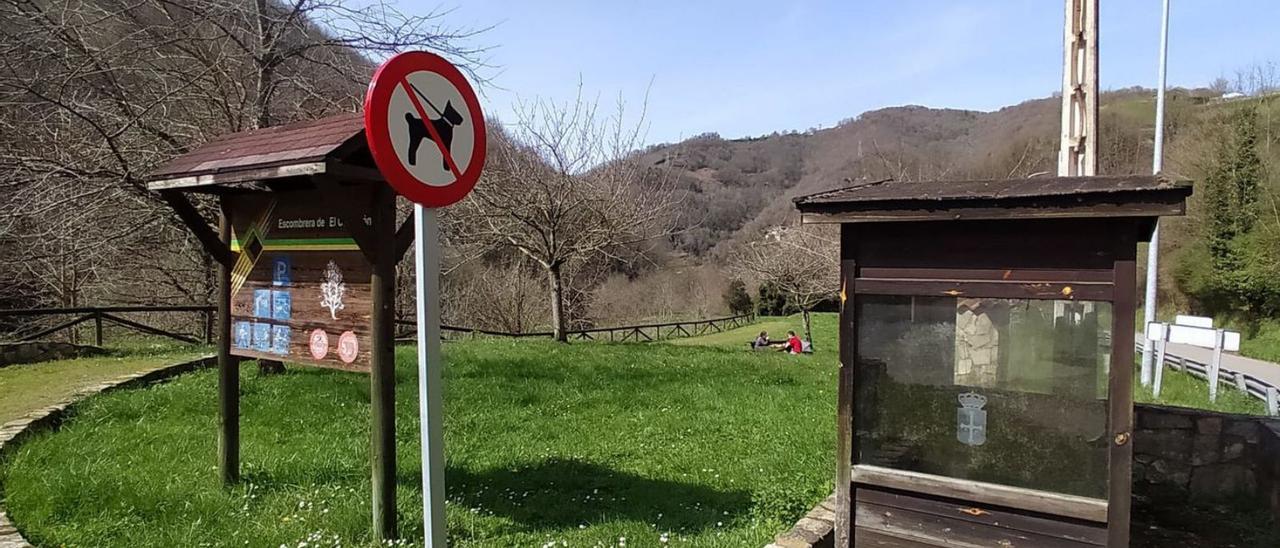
{"points": [[971, 419]]}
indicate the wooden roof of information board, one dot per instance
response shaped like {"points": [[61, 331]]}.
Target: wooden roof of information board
{"points": [[1036, 197], [326, 145]]}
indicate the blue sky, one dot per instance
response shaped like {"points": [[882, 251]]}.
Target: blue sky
{"points": [[749, 67]]}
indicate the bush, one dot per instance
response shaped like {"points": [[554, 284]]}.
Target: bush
{"points": [[737, 299]]}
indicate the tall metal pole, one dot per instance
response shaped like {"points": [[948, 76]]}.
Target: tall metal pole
{"points": [[1157, 163], [426, 227]]}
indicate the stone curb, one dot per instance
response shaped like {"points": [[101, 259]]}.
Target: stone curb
{"points": [[813, 530], [13, 431]]}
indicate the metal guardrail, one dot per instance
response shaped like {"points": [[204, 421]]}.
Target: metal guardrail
{"points": [[1243, 382]]}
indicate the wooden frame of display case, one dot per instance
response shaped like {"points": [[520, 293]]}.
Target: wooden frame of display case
{"points": [[1051, 238]]}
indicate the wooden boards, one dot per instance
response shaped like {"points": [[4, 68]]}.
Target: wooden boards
{"points": [[892, 518], [300, 288]]}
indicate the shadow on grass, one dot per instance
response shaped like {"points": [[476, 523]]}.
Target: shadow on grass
{"points": [[568, 493]]}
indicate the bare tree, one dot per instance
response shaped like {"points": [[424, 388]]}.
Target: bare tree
{"points": [[801, 262], [566, 189], [96, 93]]}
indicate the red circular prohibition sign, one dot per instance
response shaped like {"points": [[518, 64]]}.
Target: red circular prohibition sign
{"points": [[392, 75]]}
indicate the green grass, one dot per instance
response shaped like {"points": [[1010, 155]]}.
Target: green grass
{"points": [[825, 335], [27, 387], [1261, 340], [582, 443], [1183, 390]]}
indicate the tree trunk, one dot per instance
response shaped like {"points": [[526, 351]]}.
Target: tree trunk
{"points": [[808, 332], [557, 303]]}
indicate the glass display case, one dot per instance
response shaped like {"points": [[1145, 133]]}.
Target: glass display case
{"points": [[986, 348]]}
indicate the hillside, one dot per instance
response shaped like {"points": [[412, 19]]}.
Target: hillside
{"points": [[735, 188]]}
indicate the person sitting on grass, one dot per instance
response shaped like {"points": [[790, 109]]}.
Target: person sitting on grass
{"points": [[794, 345], [761, 342]]}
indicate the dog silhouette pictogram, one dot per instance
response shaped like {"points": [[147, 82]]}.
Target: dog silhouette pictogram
{"points": [[449, 119]]}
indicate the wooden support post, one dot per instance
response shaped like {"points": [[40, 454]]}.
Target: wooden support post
{"points": [[845, 393], [228, 369], [1273, 402], [1120, 393], [382, 377], [97, 329]]}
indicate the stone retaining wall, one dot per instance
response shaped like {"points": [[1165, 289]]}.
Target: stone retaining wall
{"points": [[813, 530], [39, 351], [13, 431], [1204, 455]]}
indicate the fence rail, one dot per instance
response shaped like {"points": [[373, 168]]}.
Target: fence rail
{"points": [[626, 333], [101, 315], [1244, 382]]}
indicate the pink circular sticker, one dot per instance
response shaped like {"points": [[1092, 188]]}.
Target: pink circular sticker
{"points": [[319, 344], [348, 347]]}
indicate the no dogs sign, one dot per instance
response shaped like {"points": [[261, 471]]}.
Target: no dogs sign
{"points": [[424, 128]]}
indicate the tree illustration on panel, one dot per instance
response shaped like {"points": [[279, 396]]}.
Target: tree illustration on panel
{"points": [[332, 289]]}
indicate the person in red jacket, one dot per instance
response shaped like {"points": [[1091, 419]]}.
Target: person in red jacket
{"points": [[794, 345]]}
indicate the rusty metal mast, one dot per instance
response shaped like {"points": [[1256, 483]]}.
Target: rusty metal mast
{"points": [[1078, 154]]}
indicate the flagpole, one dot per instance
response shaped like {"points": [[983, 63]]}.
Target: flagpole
{"points": [[1157, 163]]}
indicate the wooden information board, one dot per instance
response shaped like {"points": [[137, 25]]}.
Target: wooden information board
{"points": [[300, 285]]}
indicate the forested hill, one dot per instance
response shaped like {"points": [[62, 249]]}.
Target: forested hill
{"points": [[735, 188]]}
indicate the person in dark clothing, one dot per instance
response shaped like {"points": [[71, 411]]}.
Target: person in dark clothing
{"points": [[761, 341]]}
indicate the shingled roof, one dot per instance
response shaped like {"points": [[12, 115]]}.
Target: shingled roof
{"points": [[1098, 196], [301, 148]]}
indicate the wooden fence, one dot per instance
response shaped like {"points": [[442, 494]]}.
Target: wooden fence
{"points": [[626, 333], [1243, 382], [100, 315]]}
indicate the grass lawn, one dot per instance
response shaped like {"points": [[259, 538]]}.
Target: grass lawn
{"points": [[26, 387], [1183, 390], [585, 443], [825, 335]]}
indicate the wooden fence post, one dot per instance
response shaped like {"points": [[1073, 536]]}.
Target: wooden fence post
{"points": [[208, 327], [97, 329]]}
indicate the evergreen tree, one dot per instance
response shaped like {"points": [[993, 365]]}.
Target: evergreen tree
{"points": [[737, 299], [1231, 202]]}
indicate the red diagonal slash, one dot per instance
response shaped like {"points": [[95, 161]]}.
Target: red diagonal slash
{"points": [[435, 137]]}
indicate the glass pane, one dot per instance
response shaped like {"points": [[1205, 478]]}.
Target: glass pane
{"points": [[1008, 391]]}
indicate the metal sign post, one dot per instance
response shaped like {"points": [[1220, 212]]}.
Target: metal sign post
{"points": [[427, 135], [426, 227]]}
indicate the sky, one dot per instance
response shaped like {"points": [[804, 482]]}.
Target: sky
{"points": [[748, 68]]}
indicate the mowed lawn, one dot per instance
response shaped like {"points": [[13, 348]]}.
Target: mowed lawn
{"points": [[585, 444]]}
